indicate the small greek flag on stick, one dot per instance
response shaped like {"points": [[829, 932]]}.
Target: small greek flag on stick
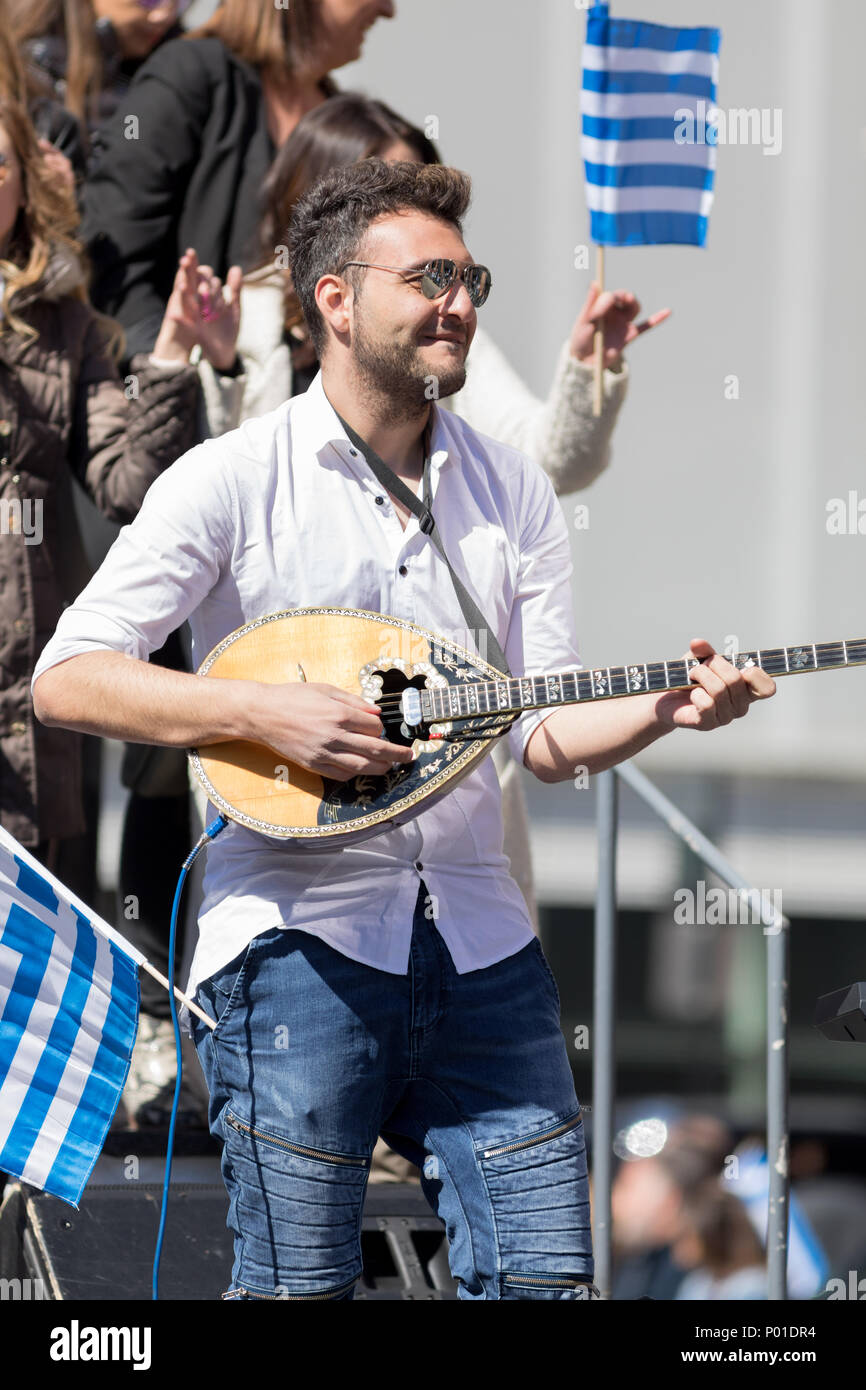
{"points": [[68, 1020], [649, 142]]}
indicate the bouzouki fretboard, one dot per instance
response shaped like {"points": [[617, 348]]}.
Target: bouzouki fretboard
{"points": [[516, 693]]}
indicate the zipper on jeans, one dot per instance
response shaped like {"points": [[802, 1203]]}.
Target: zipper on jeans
{"points": [[235, 1294], [530, 1143], [293, 1148]]}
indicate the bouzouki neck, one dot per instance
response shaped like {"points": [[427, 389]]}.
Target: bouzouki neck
{"points": [[512, 694]]}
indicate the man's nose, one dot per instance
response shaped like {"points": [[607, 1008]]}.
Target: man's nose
{"points": [[386, 9], [457, 302]]}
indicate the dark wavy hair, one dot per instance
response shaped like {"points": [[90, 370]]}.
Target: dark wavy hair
{"points": [[332, 218]]}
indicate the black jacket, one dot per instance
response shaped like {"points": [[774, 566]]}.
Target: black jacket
{"points": [[182, 164]]}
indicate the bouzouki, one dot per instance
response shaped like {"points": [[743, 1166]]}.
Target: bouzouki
{"points": [[448, 703]]}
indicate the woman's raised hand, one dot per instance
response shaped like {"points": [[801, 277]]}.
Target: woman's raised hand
{"points": [[203, 310]]}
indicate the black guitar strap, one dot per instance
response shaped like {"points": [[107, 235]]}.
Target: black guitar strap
{"points": [[424, 512]]}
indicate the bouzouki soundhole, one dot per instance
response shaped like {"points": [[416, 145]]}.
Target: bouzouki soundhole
{"points": [[384, 681]]}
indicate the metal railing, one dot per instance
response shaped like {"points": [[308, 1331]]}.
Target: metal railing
{"points": [[604, 976]]}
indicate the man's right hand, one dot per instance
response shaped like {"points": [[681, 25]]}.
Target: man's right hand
{"points": [[324, 729]]}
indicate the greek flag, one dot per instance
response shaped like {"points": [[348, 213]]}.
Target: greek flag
{"points": [[68, 1020], [649, 140]]}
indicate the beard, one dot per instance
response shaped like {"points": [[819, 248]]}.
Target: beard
{"points": [[399, 377]]}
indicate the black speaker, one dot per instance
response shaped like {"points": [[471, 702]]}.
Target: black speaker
{"points": [[841, 1015], [105, 1250]]}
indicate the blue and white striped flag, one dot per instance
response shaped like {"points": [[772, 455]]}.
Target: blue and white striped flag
{"points": [[649, 140], [68, 1020]]}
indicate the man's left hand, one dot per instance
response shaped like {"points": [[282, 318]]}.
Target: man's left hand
{"points": [[720, 692]]}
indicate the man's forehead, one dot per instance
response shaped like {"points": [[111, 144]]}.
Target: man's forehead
{"points": [[414, 237]]}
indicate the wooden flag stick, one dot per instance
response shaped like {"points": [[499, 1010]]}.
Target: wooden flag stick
{"points": [[598, 343], [193, 1008]]}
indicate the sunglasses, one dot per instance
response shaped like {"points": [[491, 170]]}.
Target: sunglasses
{"points": [[437, 277]]}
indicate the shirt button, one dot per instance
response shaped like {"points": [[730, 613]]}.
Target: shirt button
{"points": [[380, 501], [418, 864], [403, 569], [354, 453]]}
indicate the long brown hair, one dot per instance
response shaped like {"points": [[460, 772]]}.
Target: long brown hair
{"points": [[75, 21], [347, 128], [277, 40], [46, 223]]}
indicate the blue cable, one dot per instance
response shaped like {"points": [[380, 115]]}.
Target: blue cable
{"points": [[209, 834]]}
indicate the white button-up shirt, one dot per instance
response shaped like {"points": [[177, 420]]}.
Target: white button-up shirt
{"points": [[284, 513]]}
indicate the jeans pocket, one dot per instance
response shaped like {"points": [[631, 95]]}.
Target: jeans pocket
{"points": [[218, 995]]}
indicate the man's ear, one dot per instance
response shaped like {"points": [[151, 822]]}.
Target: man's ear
{"points": [[334, 297]]}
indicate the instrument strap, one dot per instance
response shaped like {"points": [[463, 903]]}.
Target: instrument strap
{"points": [[424, 512]]}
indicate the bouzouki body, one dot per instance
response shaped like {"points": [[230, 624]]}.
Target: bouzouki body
{"points": [[372, 655]]}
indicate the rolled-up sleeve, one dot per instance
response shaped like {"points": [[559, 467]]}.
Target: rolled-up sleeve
{"points": [[159, 569], [542, 636]]}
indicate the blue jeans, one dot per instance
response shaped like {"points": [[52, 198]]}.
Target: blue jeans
{"points": [[315, 1055]]}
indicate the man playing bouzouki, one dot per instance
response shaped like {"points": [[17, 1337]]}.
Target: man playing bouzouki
{"points": [[392, 987]]}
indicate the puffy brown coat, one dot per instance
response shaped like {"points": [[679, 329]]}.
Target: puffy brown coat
{"points": [[64, 410]]}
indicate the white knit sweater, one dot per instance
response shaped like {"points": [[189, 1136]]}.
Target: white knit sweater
{"points": [[560, 433]]}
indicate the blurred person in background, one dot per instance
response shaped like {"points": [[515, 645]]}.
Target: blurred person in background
{"points": [[83, 54], [719, 1245], [209, 112], [648, 1204], [63, 412]]}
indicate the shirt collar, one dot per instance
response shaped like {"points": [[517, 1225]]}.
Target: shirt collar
{"points": [[320, 426]]}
